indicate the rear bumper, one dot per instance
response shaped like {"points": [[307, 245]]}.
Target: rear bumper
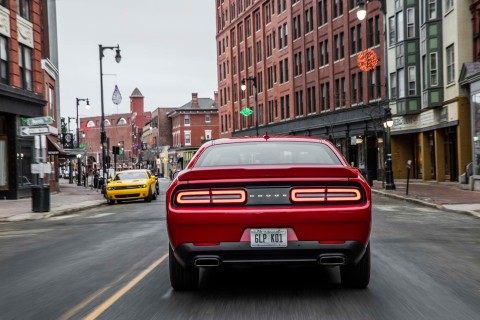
{"points": [[296, 253]]}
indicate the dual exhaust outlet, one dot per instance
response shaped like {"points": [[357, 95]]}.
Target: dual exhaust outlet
{"points": [[324, 260]]}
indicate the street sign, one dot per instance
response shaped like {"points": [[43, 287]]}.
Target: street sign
{"points": [[246, 112], [41, 168], [31, 131], [39, 121]]}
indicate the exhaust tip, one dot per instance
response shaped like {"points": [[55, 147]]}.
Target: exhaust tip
{"points": [[332, 260], [207, 262]]}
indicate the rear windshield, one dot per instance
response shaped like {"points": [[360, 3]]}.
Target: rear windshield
{"points": [[258, 153]]}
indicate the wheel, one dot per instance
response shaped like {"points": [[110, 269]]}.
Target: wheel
{"points": [[357, 276], [110, 202], [182, 278], [149, 197]]}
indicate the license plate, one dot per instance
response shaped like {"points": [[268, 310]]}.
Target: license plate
{"points": [[268, 238]]}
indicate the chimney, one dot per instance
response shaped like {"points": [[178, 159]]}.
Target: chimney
{"points": [[215, 97], [194, 100]]}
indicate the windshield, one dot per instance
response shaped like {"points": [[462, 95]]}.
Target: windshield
{"points": [[131, 175], [259, 153]]}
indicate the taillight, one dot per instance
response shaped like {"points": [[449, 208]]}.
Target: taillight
{"points": [[236, 196], [346, 194]]}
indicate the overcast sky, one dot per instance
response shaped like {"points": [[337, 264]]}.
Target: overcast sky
{"points": [[167, 47]]}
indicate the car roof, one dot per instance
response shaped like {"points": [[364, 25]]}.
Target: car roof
{"points": [[267, 138]]}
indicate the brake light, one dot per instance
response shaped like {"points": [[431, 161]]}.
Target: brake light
{"points": [[236, 196], [326, 195]]}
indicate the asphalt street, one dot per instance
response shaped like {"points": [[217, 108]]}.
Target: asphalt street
{"points": [[111, 263]]}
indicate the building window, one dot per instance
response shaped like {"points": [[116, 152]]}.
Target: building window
{"points": [[23, 9], [259, 51], [106, 123], [432, 9], [3, 60], [207, 118], [309, 20], [450, 64], [399, 25], [412, 83], [208, 134], [401, 83], [393, 85], [296, 27], [353, 39], [51, 102], [310, 58], [188, 140], [186, 120], [392, 31], [400, 55], [433, 69], [410, 22], [298, 63], [449, 4], [25, 64], [354, 88]]}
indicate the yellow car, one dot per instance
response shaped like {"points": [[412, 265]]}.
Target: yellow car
{"points": [[131, 185]]}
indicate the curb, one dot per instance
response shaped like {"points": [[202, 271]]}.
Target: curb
{"points": [[31, 216], [425, 203]]}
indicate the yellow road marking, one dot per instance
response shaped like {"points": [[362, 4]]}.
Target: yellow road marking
{"points": [[110, 301]]}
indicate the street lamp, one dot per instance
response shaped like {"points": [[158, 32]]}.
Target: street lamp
{"points": [[362, 8], [103, 135], [87, 106], [390, 185], [244, 87]]}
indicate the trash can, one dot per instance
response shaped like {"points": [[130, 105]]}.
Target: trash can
{"points": [[41, 198]]}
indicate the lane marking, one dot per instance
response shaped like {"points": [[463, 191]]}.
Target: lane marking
{"points": [[117, 295], [68, 216], [100, 215]]}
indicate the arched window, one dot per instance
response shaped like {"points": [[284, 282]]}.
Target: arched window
{"points": [[122, 121], [90, 124], [106, 122]]}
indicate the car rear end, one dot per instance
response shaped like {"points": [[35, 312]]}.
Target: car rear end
{"points": [[272, 211]]}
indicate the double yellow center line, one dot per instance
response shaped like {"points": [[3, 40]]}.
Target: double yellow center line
{"points": [[115, 297]]}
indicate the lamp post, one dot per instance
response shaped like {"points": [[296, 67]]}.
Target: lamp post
{"points": [[79, 168], [103, 135], [244, 87], [87, 106], [390, 185]]}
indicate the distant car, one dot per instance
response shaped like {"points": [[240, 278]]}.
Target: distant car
{"points": [[270, 200], [131, 185]]}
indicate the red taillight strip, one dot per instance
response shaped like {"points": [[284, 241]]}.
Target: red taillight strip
{"points": [[326, 195], [228, 196], [193, 197], [308, 195], [349, 194], [211, 197]]}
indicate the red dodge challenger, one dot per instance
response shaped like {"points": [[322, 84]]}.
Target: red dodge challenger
{"points": [[269, 200]]}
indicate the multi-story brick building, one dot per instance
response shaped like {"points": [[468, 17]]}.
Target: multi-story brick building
{"points": [[193, 124], [123, 130], [302, 56], [28, 88]]}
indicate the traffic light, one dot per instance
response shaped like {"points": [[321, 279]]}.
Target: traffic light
{"points": [[120, 150], [115, 150]]}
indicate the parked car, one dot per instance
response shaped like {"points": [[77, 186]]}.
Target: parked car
{"points": [[131, 185], [270, 200]]}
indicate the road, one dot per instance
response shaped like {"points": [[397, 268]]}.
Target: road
{"points": [[111, 263]]}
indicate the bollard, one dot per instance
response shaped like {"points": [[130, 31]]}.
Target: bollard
{"points": [[409, 165]]}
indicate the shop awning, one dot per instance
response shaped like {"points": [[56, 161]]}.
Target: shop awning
{"points": [[53, 147]]}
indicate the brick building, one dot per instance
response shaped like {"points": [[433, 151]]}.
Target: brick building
{"points": [[192, 124], [302, 57], [123, 130], [28, 88]]}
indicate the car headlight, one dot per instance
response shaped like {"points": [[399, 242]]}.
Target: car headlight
{"points": [[110, 188], [144, 186]]}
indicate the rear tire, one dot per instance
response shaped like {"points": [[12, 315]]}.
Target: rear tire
{"points": [[357, 276], [182, 278]]}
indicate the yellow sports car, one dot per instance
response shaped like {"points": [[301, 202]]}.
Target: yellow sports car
{"points": [[131, 185]]}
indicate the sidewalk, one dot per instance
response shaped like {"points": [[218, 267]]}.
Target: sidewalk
{"points": [[441, 195], [71, 198]]}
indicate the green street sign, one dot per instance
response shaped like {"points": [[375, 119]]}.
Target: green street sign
{"points": [[246, 112], [82, 146], [39, 121]]}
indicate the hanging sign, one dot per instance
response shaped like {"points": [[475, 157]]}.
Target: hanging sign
{"points": [[117, 96], [367, 60], [246, 112]]}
